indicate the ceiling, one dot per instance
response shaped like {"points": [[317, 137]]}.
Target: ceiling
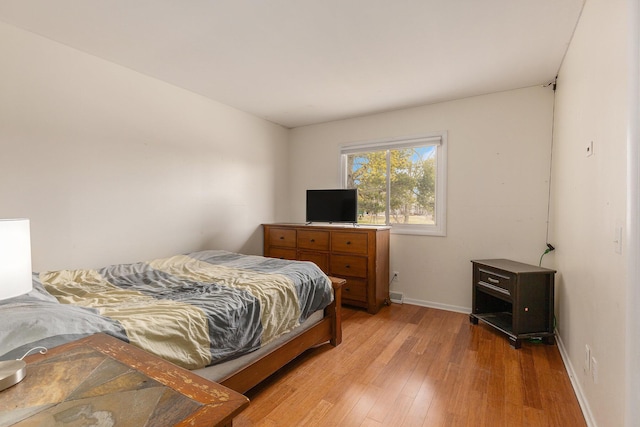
{"points": [[300, 62]]}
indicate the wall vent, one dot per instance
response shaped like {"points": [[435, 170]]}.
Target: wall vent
{"points": [[396, 297]]}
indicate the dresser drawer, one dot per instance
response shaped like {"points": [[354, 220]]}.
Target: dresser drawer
{"points": [[343, 241], [318, 258], [282, 237], [282, 253], [348, 265], [315, 240], [355, 290], [495, 279]]}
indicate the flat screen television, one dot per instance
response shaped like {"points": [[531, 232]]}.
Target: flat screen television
{"points": [[338, 205]]}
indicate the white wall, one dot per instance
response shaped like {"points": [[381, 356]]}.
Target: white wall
{"points": [[113, 166], [589, 201], [498, 169], [632, 246]]}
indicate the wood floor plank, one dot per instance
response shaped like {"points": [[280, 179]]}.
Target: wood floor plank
{"points": [[344, 399], [417, 412], [396, 416], [399, 340], [371, 423], [415, 366], [306, 398], [314, 417], [358, 414]]}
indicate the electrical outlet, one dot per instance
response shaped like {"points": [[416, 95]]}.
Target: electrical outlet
{"points": [[594, 370], [587, 359], [590, 149], [396, 275], [617, 239]]}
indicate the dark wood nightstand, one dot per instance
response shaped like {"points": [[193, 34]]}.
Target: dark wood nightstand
{"points": [[514, 298], [100, 380]]}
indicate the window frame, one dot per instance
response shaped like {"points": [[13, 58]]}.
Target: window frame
{"points": [[438, 139]]}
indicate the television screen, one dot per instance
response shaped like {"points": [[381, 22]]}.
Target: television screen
{"points": [[332, 205]]}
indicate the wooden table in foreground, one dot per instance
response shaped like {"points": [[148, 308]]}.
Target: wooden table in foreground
{"points": [[100, 380]]}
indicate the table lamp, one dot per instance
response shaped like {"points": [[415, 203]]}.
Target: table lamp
{"points": [[15, 279]]}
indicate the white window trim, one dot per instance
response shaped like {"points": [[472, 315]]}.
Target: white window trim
{"points": [[435, 138]]}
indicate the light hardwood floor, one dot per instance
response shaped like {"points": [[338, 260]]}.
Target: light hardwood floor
{"points": [[416, 366]]}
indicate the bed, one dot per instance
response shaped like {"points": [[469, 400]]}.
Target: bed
{"points": [[231, 318]]}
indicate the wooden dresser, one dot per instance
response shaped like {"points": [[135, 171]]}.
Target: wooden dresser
{"points": [[360, 255]]}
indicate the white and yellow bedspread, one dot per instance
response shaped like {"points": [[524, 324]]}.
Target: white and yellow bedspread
{"points": [[201, 308]]}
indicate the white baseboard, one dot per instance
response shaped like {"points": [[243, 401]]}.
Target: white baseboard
{"points": [[582, 400], [431, 304]]}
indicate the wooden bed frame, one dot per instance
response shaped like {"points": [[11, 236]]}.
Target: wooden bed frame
{"points": [[328, 329]]}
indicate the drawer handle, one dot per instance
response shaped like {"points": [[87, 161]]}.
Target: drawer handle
{"points": [[347, 289], [347, 266], [492, 280], [348, 242], [313, 240], [281, 237]]}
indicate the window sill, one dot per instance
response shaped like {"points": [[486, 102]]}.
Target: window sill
{"points": [[418, 230]]}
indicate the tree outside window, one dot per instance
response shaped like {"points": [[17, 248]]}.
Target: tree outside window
{"points": [[397, 182]]}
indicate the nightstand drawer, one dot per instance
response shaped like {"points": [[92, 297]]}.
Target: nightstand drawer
{"points": [[355, 243], [490, 278], [316, 240], [282, 237], [348, 265]]}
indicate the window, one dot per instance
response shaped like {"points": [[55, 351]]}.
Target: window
{"points": [[400, 182]]}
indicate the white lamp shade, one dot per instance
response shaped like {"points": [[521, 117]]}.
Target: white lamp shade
{"points": [[15, 258]]}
